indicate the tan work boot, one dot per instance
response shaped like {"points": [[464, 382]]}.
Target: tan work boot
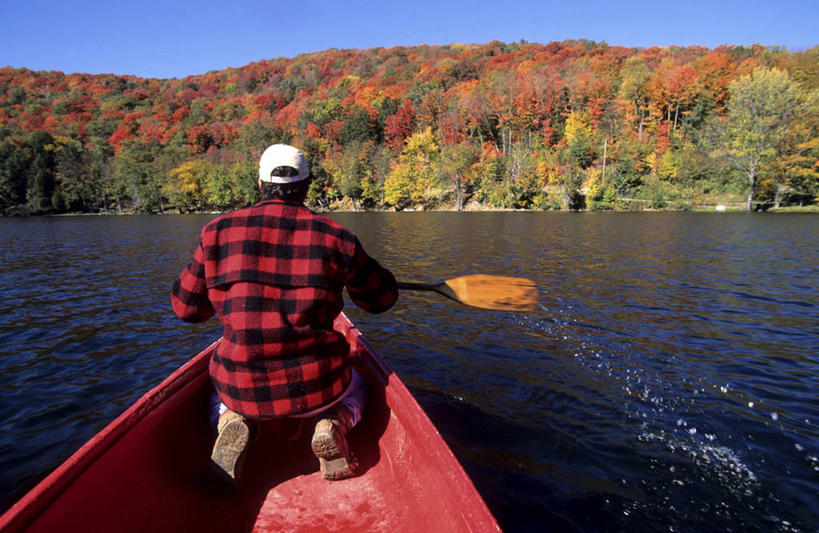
{"points": [[229, 449], [330, 445]]}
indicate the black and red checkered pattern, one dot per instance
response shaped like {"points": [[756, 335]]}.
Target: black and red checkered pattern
{"points": [[274, 275]]}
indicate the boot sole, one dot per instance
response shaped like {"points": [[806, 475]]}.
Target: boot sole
{"points": [[333, 462], [228, 452]]}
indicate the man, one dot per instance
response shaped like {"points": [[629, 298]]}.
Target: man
{"points": [[274, 274]]}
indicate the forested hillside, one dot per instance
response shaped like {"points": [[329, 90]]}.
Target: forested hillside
{"points": [[566, 125]]}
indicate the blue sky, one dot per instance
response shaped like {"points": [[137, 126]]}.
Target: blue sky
{"points": [[173, 39]]}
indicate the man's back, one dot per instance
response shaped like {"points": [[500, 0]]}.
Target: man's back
{"points": [[274, 275]]}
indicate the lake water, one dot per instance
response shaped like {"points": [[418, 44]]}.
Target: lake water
{"points": [[669, 381]]}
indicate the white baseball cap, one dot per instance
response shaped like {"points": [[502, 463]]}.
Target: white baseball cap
{"points": [[282, 155]]}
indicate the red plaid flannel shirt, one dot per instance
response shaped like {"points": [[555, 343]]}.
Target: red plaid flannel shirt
{"points": [[274, 275]]}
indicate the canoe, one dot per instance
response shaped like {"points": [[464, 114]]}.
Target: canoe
{"points": [[145, 470]]}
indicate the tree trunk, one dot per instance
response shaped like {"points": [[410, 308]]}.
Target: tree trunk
{"points": [[605, 147], [752, 179], [676, 114], [776, 195], [642, 119], [506, 135], [459, 200]]}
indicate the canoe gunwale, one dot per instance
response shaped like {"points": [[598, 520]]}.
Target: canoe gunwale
{"points": [[471, 505]]}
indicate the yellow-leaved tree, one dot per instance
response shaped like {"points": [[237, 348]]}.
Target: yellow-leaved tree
{"points": [[579, 139], [762, 109], [414, 180], [457, 165], [186, 185]]}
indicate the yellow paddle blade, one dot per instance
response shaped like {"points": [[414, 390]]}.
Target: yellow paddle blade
{"points": [[502, 293]]}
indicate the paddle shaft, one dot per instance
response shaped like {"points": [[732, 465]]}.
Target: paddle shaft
{"points": [[440, 288], [412, 286]]}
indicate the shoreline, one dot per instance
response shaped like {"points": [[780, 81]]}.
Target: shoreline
{"points": [[697, 209]]}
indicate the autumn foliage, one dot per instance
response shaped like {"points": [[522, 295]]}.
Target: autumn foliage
{"points": [[564, 125]]}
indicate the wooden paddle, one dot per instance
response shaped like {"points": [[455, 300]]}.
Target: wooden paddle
{"points": [[487, 292]]}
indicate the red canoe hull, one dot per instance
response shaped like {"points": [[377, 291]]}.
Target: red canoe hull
{"points": [[144, 471]]}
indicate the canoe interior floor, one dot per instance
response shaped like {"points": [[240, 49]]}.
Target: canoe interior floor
{"points": [[152, 480]]}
